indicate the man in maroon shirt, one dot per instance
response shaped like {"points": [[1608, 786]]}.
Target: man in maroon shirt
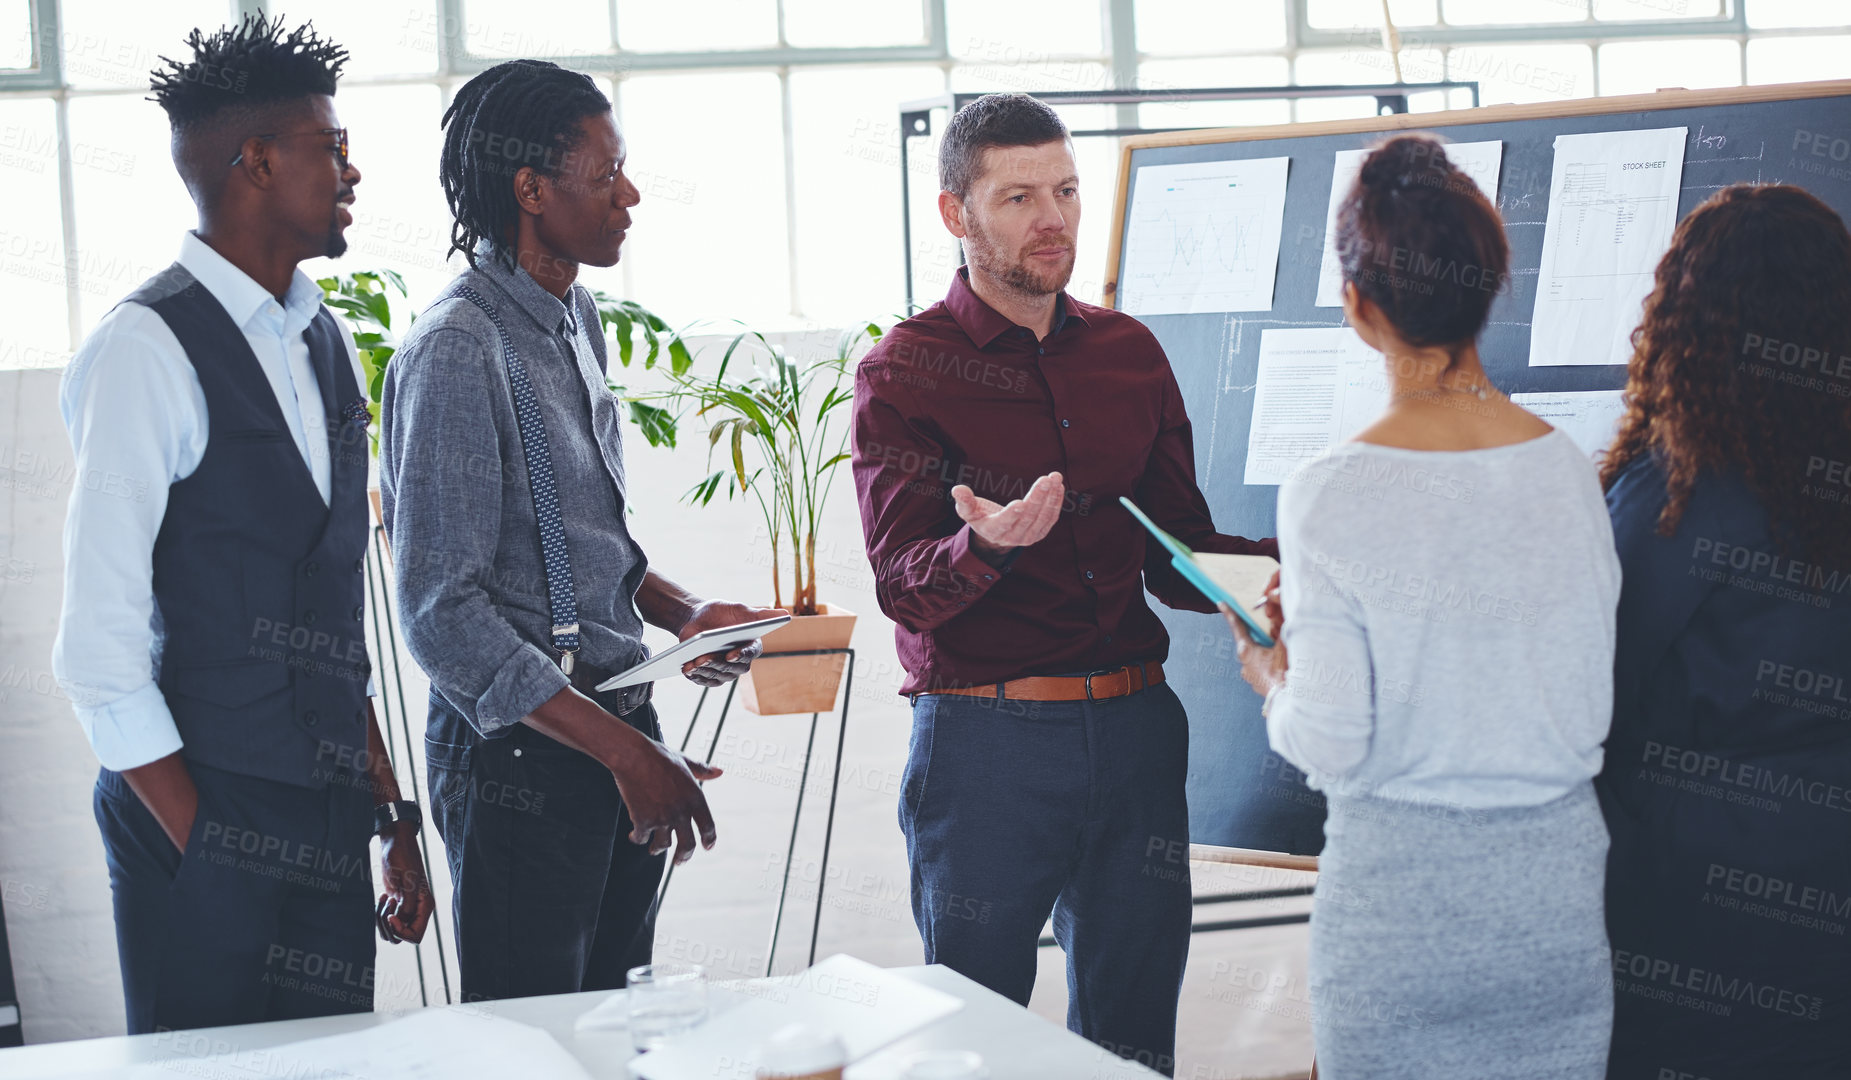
{"points": [[994, 434]]}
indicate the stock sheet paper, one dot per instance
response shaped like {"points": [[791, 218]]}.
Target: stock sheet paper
{"points": [[1482, 161], [1612, 206], [1316, 387], [1590, 417], [865, 1005], [1204, 237]]}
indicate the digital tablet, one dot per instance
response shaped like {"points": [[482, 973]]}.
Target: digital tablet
{"points": [[1184, 560], [668, 662]]}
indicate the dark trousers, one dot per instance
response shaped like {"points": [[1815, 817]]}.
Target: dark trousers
{"points": [[1013, 809], [551, 897], [269, 914]]}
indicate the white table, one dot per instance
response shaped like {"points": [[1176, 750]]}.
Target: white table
{"points": [[1015, 1043]]}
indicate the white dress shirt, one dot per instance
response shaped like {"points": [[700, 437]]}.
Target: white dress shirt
{"points": [[137, 418]]}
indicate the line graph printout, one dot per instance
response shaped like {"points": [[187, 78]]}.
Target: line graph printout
{"points": [[1204, 237], [1482, 161], [1316, 388], [1612, 207]]}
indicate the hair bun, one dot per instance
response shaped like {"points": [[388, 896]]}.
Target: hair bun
{"points": [[1400, 163]]}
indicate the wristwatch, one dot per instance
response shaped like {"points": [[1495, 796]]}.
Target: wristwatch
{"points": [[386, 815]]}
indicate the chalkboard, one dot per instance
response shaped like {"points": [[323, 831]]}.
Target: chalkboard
{"points": [[1241, 795]]}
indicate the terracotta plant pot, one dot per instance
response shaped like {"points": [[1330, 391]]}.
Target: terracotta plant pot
{"points": [[777, 685]]}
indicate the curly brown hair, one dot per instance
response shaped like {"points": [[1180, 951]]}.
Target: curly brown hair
{"points": [[1743, 364]]}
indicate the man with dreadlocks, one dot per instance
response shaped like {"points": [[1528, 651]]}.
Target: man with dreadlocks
{"points": [[520, 586], [211, 638]]}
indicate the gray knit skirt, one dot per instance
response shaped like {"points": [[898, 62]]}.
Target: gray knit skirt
{"points": [[1458, 942]]}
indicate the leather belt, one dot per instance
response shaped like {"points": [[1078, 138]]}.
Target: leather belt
{"points": [[586, 677], [1109, 683]]}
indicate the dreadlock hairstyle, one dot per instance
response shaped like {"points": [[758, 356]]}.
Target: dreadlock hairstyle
{"points": [[236, 77], [1742, 364], [245, 67], [521, 114]]}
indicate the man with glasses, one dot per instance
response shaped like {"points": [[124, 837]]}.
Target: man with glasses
{"points": [[211, 638]]}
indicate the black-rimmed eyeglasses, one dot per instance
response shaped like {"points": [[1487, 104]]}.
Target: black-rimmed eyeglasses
{"points": [[340, 149]]}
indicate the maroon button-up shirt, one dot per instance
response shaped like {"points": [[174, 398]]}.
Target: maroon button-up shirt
{"points": [[959, 394]]}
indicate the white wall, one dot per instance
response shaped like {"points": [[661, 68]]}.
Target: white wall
{"points": [[52, 875]]}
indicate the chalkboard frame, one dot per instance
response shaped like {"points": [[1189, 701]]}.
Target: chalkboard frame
{"points": [[1660, 101]]}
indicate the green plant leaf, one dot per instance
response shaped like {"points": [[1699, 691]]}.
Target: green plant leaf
{"points": [[658, 424], [626, 346], [739, 455], [832, 462]]}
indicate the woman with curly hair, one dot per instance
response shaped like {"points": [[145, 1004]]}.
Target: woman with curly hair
{"points": [[1727, 785]]}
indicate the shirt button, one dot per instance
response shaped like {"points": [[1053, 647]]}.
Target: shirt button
{"points": [[1089, 575], [359, 566], [517, 751], [311, 569], [309, 617], [1108, 639], [989, 577], [359, 612], [1041, 351], [310, 718], [1066, 423]]}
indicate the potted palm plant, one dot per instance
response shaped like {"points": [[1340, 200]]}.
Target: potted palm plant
{"points": [[779, 422]]}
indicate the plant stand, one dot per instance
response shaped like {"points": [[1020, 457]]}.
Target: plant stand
{"points": [[803, 779]]}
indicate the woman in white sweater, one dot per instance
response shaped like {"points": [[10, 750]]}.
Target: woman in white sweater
{"points": [[1448, 586]]}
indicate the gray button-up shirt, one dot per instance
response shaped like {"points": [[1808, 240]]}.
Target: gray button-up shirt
{"points": [[459, 512]]}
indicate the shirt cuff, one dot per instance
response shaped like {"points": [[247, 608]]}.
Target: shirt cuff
{"points": [[973, 567], [132, 730], [526, 681]]}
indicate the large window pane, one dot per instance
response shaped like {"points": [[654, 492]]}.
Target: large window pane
{"points": [[1209, 26], [1012, 32], [1469, 12], [845, 129], [382, 37], [508, 28], [853, 23], [400, 220], [1361, 64], [1367, 63], [690, 25], [16, 34], [1032, 76], [1799, 59], [1642, 10], [1778, 13], [1640, 67], [716, 247], [1522, 73], [1230, 72], [130, 205], [1338, 14], [32, 293], [118, 42]]}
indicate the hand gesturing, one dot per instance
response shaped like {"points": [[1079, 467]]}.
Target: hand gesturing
{"points": [[997, 529]]}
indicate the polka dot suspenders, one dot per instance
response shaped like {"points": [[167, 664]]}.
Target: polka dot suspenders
{"points": [[561, 600]]}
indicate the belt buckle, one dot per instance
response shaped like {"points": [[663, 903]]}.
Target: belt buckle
{"points": [[1089, 682]]}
